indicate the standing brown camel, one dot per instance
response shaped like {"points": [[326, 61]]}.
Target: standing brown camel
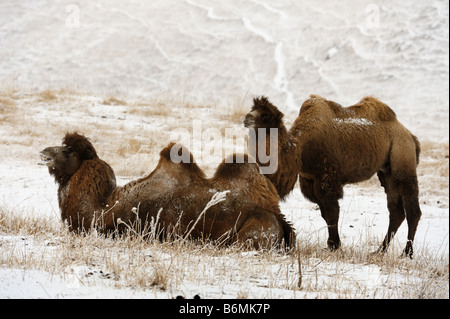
{"points": [[174, 194], [329, 146]]}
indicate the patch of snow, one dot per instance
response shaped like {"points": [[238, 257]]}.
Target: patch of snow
{"points": [[353, 121]]}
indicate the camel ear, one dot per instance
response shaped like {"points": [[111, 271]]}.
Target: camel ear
{"points": [[81, 145], [85, 148], [276, 114], [88, 154], [280, 115]]}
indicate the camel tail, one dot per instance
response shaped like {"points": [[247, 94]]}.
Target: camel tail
{"points": [[289, 233], [416, 141]]}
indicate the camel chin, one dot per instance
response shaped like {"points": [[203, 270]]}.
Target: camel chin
{"points": [[46, 157]]}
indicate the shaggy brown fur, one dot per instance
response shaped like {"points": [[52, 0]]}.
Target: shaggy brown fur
{"points": [[85, 182], [88, 197], [329, 146]]}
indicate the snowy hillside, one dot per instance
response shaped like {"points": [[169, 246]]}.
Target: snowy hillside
{"points": [[224, 53]]}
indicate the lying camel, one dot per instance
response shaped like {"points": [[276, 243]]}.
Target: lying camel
{"points": [[174, 194]]}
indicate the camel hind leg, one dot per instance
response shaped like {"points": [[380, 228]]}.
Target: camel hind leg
{"points": [[395, 207], [413, 213], [401, 186], [261, 229]]}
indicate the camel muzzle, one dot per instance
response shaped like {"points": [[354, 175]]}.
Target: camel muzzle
{"points": [[249, 121], [48, 155]]}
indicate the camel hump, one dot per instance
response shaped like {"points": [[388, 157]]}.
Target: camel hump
{"points": [[316, 96], [237, 165], [81, 145], [174, 152], [322, 105], [310, 103], [177, 154], [375, 108]]}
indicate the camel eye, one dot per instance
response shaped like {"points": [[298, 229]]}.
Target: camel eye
{"points": [[265, 117], [67, 150]]}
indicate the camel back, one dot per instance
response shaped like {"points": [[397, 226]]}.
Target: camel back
{"points": [[368, 108]]}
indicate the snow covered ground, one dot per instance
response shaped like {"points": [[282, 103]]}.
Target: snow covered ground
{"points": [[217, 55]]}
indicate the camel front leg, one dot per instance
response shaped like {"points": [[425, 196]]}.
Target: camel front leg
{"points": [[262, 230], [330, 213], [329, 208]]}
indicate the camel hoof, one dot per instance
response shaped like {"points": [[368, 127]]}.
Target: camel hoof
{"points": [[408, 251], [332, 246], [379, 251], [407, 254]]}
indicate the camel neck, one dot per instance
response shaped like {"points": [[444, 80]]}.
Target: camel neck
{"points": [[61, 178], [285, 176], [284, 138]]}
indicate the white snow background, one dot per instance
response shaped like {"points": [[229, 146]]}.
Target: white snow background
{"points": [[223, 53]]}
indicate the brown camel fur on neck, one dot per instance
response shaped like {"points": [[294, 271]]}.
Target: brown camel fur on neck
{"points": [[329, 146]]}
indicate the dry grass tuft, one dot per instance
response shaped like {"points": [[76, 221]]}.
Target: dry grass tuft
{"points": [[113, 101], [147, 110], [238, 113], [168, 268], [19, 223], [130, 146], [47, 95], [7, 109], [6, 103]]}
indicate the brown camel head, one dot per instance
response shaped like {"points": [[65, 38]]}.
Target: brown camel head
{"points": [[263, 115], [63, 161]]}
